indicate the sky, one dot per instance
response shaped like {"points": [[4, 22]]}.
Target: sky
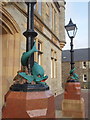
{"points": [[78, 12]]}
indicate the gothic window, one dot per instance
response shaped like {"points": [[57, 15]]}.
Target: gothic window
{"points": [[84, 78], [89, 64], [53, 64], [39, 52], [53, 14], [38, 55], [84, 65], [54, 27]]}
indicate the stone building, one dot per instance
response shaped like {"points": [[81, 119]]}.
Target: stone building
{"points": [[49, 24], [82, 65]]}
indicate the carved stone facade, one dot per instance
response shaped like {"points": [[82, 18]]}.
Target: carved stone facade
{"points": [[49, 24]]}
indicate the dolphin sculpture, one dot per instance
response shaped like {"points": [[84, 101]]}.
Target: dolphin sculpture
{"points": [[26, 55], [74, 76], [37, 74]]}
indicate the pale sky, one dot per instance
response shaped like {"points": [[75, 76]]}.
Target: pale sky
{"points": [[78, 12]]}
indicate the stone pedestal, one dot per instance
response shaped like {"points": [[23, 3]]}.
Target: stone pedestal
{"points": [[72, 91], [73, 104], [29, 105]]}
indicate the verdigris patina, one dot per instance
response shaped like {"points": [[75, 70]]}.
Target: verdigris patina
{"points": [[36, 78], [73, 76], [37, 73]]}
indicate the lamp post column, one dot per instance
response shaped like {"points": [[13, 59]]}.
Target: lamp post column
{"points": [[30, 33], [72, 54]]}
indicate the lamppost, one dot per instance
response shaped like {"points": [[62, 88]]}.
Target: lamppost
{"points": [[28, 84], [71, 31], [70, 107]]}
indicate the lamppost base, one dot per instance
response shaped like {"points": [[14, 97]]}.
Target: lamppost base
{"points": [[73, 103], [36, 104], [72, 91]]}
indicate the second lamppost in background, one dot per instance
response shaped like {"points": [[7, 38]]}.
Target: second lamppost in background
{"points": [[73, 103], [71, 31]]}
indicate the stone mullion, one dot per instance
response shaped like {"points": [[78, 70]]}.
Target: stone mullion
{"points": [[36, 53]]}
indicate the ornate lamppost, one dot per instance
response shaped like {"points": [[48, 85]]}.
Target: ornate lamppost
{"points": [[29, 96], [73, 103], [32, 73], [71, 31]]}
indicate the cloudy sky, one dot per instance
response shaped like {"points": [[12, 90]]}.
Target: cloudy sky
{"points": [[78, 12]]}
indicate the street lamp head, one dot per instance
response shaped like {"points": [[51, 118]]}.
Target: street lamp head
{"points": [[71, 29]]}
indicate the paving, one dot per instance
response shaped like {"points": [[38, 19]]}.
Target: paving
{"points": [[85, 93]]}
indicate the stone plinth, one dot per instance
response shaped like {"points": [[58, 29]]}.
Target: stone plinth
{"points": [[73, 104], [29, 105], [72, 91]]}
